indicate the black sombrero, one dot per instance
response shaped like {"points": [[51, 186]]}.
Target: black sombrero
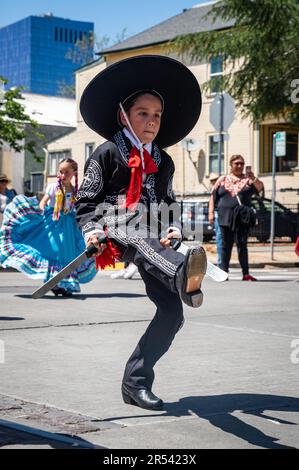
{"points": [[170, 78]]}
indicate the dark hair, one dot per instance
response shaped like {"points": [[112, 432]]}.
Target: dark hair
{"points": [[131, 100], [74, 166]]}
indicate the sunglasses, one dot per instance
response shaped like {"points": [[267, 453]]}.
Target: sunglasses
{"points": [[239, 163]]}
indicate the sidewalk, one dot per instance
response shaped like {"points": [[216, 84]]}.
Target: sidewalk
{"points": [[260, 256]]}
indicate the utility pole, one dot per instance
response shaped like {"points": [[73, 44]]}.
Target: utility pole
{"points": [[272, 231], [220, 143]]}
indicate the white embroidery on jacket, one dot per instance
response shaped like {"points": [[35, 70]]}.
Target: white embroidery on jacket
{"points": [[120, 142], [170, 192], [93, 181], [147, 251]]}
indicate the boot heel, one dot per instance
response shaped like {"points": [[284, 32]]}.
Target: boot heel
{"points": [[127, 399]]}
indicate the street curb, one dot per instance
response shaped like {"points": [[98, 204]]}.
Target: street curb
{"points": [[260, 265], [263, 264]]}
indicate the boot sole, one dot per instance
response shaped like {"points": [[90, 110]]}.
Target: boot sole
{"points": [[196, 270]]}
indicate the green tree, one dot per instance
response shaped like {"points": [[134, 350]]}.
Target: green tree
{"points": [[15, 124], [260, 54], [82, 52]]}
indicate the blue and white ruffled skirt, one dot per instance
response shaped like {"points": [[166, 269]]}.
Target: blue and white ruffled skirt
{"points": [[33, 243]]}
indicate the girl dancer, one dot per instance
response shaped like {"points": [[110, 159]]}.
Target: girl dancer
{"points": [[39, 239]]}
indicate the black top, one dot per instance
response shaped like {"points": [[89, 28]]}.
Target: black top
{"points": [[225, 202], [107, 176]]}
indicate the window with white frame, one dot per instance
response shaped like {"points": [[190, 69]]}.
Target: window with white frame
{"points": [[213, 155], [89, 148], [36, 182], [216, 72], [54, 159]]}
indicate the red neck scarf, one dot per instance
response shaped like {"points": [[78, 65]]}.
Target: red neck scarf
{"points": [[111, 253], [135, 187], [109, 256]]}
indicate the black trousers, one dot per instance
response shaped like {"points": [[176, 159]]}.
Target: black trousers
{"points": [[240, 236], [157, 266], [139, 371]]}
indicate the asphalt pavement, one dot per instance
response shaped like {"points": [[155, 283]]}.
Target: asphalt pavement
{"points": [[230, 379]]}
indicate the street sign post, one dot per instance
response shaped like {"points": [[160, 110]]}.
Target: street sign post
{"points": [[278, 150], [272, 230], [225, 138], [222, 113], [280, 144]]}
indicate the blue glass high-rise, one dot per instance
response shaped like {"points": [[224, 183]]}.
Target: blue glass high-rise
{"points": [[40, 52]]}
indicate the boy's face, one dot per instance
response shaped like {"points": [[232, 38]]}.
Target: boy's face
{"points": [[145, 117]]}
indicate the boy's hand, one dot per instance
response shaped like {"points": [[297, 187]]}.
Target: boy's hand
{"points": [[166, 242], [100, 246]]}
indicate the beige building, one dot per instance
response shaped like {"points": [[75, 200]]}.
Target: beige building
{"points": [[192, 167], [80, 143], [56, 117]]}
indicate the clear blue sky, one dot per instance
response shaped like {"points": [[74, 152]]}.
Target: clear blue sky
{"points": [[109, 16]]}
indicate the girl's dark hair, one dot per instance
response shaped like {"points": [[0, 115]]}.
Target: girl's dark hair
{"points": [[74, 166]]}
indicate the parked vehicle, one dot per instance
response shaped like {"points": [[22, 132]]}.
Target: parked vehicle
{"points": [[194, 218], [195, 222], [286, 221]]}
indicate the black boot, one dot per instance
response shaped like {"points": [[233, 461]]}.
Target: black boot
{"points": [[56, 291], [60, 291], [141, 397], [66, 293], [190, 275]]}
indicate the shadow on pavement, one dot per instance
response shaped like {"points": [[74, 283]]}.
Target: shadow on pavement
{"points": [[15, 437], [11, 318], [218, 409], [259, 280], [78, 296], [275, 280]]}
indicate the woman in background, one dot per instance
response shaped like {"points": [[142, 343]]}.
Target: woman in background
{"points": [[229, 193], [6, 195]]}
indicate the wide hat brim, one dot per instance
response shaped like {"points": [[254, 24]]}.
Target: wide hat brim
{"points": [[3, 178], [170, 78]]}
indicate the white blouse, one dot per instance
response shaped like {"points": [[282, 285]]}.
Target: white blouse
{"points": [[51, 190]]}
